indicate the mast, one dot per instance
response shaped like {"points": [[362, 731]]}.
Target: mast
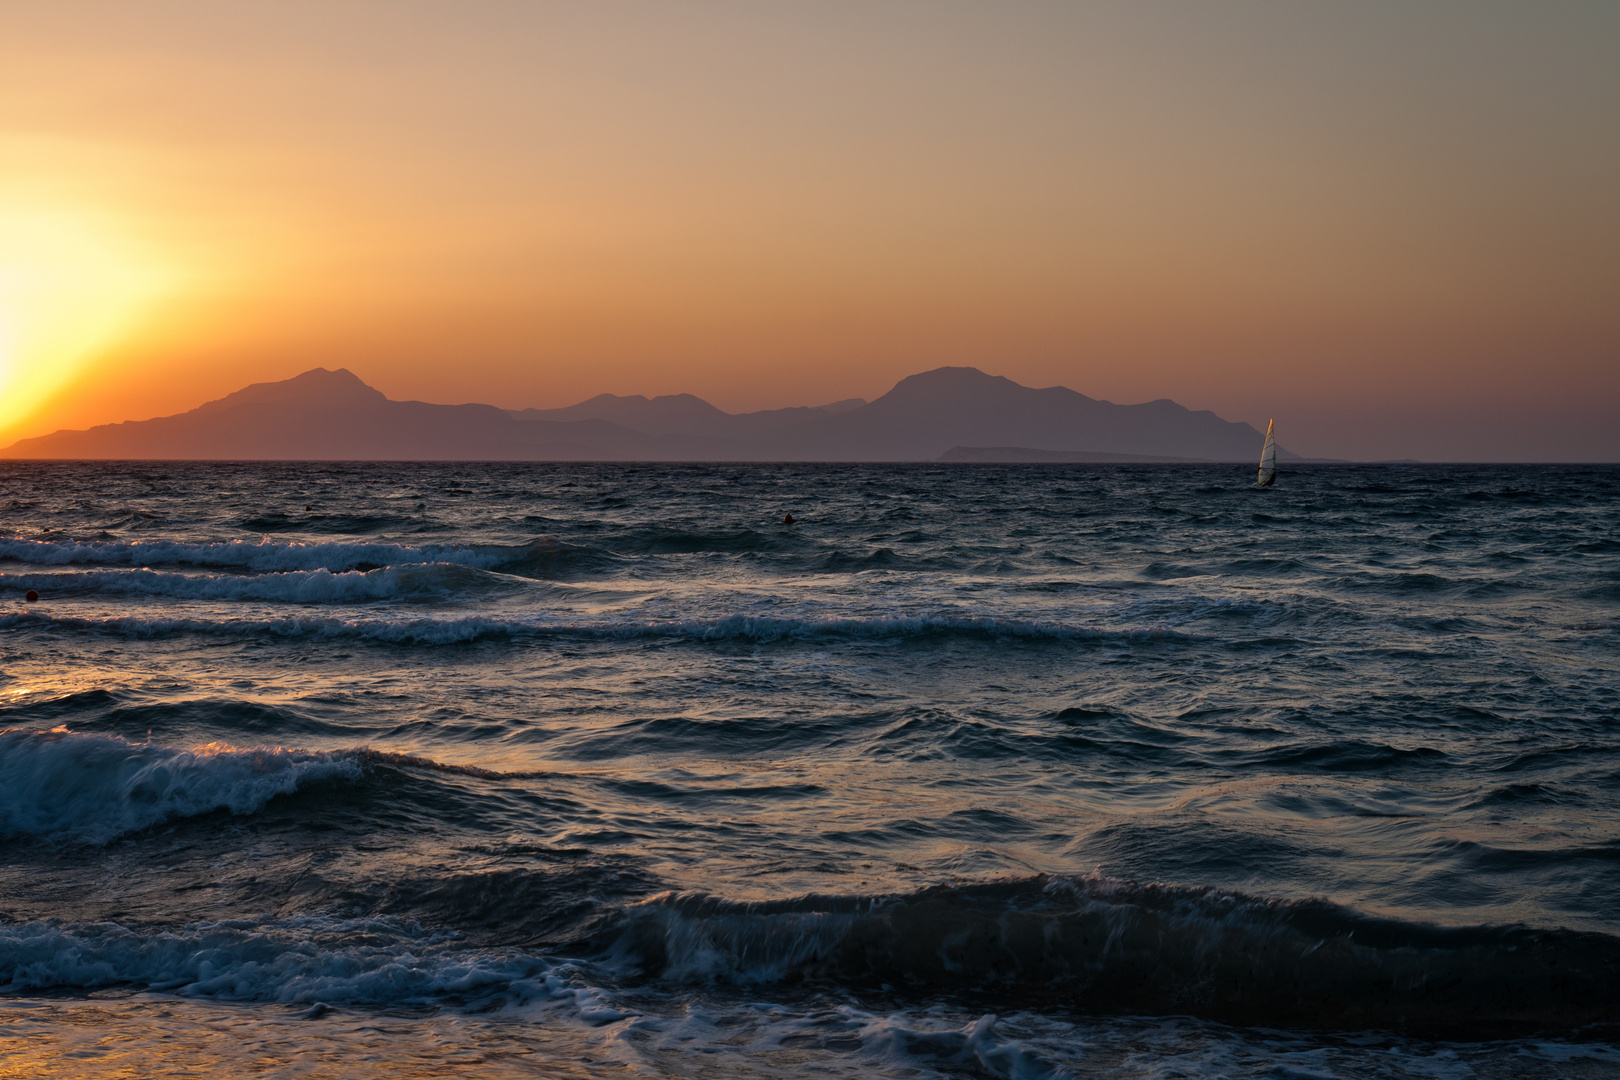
{"points": [[1268, 457]]}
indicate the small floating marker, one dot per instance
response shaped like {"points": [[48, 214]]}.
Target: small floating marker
{"points": [[309, 507], [30, 596], [787, 519]]}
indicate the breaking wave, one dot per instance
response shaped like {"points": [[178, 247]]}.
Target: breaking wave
{"points": [[312, 958], [1076, 946], [407, 581], [1094, 945], [749, 628], [66, 785], [544, 557]]}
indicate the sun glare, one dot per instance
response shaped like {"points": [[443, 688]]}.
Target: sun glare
{"points": [[68, 292]]}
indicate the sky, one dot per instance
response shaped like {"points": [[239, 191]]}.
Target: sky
{"points": [[1392, 226]]}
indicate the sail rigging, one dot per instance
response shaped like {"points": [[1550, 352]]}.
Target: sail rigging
{"points": [[1268, 457]]}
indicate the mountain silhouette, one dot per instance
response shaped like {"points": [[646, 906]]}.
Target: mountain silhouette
{"points": [[954, 413], [929, 414], [326, 415], [684, 414]]}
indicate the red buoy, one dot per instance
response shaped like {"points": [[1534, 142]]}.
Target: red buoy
{"points": [[31, 596], [787, 519]]}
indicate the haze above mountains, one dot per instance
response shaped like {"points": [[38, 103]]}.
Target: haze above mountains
{"points": [[950, 414]]}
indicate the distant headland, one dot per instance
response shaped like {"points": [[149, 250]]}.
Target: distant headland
{"points": [[948, 414]]}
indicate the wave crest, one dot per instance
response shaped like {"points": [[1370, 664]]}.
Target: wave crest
{"points": [[60, 784], [1107, 946], [543, 557], [747, 628], [313, 958], [407, 581]]}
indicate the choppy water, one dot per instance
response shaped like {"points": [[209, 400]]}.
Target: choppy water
{"points": [[1007, 771]]}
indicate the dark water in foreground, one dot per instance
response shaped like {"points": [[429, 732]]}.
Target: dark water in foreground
{"points": [[1006, 771]]}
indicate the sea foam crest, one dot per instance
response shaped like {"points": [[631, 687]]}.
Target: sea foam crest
{"points": [[428, 631], [60, 784], [311, 958], [263, 556], [281, 586], [1094, 943]]}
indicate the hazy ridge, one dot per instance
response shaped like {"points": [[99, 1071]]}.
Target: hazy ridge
{"points": [[935, 415]]}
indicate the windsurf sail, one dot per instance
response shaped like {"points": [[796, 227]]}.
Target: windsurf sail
{"points": [[1268, 457]]}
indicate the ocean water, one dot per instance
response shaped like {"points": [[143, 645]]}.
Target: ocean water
{"points": [[973, 771]]}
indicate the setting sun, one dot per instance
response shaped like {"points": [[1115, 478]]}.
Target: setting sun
{"points": [[68, 290]]}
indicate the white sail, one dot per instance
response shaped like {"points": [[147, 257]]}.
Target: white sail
{"points": [[1268, 457]]}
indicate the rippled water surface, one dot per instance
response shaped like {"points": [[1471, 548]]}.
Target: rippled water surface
{"points": [[1005, 771]]}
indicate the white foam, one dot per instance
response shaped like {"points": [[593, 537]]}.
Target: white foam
{"points": [[301, 959], [978, 1046], [282, 586], [405, 631], [95, 788], [742, 950], [387, 962], [748, 1039], [760, 628], [840, 1039], [260, 555], [431, 631]]}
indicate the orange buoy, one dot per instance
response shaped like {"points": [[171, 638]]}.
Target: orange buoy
{"points": [[31, 596]]}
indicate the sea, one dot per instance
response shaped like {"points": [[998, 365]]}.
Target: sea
{"points": [[1010, 771]]}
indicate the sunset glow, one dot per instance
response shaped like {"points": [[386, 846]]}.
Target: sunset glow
{"points": [[67, 293], [1256, 209], [855, 538]]}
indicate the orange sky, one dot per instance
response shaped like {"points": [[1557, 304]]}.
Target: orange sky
{"points": [[1392, 226]]}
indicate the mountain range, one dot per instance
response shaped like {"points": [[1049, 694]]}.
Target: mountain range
{"points": [[950, 413]]}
